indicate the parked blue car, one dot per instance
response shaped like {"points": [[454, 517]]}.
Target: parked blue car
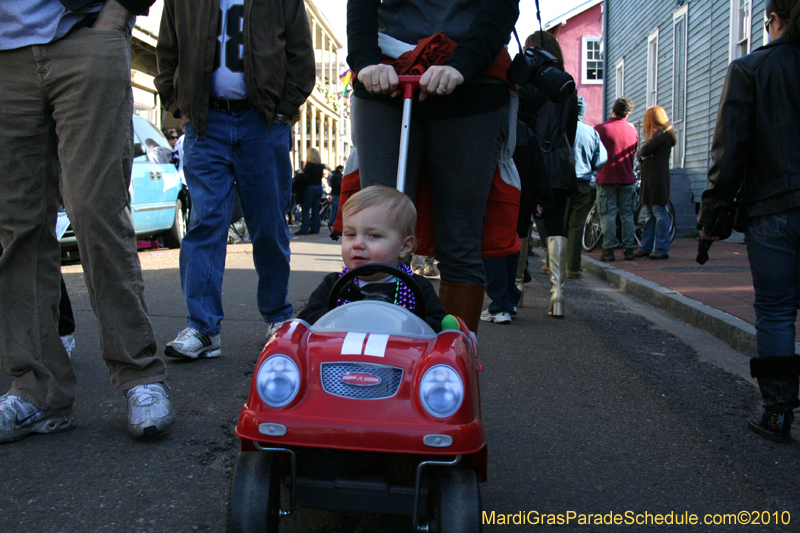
{"points": [[159, 203]]}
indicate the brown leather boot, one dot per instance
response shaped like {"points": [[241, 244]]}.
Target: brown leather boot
{"points": [[464, 300]]}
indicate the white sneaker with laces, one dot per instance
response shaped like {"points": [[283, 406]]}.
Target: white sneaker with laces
{"points": [[149, 409], [272, 327], [19, 417], [498, 318], [69, 343], [191, 344]]}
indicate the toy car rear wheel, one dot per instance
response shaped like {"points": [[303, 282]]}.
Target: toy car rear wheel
{"points": [[254, 501], [454, 501]]}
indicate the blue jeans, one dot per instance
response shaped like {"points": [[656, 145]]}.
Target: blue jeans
{"points": [[311, 197], [334, 208], [501, 287], [238, 147], [773, 248], [613, 200], [655, 233]]}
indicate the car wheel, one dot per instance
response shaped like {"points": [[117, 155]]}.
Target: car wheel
{"points": [[254, 501], [174, 235], [454, 501]]}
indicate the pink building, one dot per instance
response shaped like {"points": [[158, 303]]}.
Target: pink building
{"points": [[579, 32]]}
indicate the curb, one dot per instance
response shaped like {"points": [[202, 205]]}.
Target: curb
{"points": [[740, 335]]}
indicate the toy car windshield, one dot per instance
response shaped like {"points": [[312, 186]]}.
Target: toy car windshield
{"points": [[367, 316]]}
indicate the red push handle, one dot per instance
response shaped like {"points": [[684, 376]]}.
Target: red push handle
{"points": [[409, 84]]}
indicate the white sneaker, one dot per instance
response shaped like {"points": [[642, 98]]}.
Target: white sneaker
{"points": [[19, 417], [149, 409], [191, 344], [272, 327], [498, 318], [69, 343]]}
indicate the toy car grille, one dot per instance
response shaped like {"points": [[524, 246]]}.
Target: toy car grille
{"points": [[332, 382]]}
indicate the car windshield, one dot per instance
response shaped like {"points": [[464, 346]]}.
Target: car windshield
{"points": [[368, 316]]}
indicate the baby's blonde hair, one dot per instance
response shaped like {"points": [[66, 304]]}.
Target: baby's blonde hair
{"points": [[400, 208]]}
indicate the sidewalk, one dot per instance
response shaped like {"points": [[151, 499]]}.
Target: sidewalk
{"points": [[716, 297]]}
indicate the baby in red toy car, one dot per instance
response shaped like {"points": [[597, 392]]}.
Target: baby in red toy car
{"points": [[379, 225]]}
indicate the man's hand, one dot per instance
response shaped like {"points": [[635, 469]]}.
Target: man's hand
{"points": [[439, 80], [112, 17], [184, 118], [380, 79], [707, 237]]}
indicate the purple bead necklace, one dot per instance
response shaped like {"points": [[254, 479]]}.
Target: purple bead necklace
{"points": [[402, 294]]}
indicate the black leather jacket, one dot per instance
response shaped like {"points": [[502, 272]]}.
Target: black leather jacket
{"points": [[756, 147]]}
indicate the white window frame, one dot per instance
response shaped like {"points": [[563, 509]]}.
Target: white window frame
{"points": [[740, 47], [584, 60], [652, 68], [619, 78], [683, 11]]}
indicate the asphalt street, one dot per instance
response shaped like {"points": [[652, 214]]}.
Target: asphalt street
{"points": [[616, 408]]}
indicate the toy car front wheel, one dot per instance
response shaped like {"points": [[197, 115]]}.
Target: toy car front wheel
{"points": [[454, 501], [254, 501]]}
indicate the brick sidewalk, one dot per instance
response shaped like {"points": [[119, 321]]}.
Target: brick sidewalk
{"points": [[723, 283]]}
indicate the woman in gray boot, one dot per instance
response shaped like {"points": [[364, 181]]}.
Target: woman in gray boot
{"points": [[553, 126], [755, 154]]}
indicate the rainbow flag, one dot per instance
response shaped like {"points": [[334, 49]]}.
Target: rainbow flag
{"points": [[346, 78]]}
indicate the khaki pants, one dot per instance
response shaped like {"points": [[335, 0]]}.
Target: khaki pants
{"points": [[67, 106]]}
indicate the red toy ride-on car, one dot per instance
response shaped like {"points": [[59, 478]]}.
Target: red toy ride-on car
{"points": [[366, 410]]}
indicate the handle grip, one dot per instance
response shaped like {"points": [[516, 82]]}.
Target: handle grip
{"points": [[409, 84]]}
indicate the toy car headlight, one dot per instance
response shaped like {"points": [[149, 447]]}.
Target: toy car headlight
{"points": [[441, 391], [278, 380]]}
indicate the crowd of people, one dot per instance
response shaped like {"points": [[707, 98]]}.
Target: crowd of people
{"points": [[474, 136]]}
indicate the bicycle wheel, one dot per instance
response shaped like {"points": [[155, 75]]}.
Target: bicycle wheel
{"points": [[592, 234], [638, 226], [673, 227], [296, 214]]}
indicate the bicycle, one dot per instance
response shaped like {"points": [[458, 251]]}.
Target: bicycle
{"points": [[593, 233], [325, 203]]}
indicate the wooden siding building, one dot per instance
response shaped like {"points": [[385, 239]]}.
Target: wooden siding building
{"points": [[676, 55]]}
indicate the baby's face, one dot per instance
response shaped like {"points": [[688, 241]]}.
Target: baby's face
{"points": [[368, 237]]}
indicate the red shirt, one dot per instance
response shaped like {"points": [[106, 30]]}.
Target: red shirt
{"points": [[620, 139]]}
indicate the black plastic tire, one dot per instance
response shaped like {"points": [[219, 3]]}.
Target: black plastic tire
{"points": [[454, 501], [592, 234], [174, 236], [254, 501]]}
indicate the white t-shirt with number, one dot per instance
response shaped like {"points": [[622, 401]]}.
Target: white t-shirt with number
{"points": [[227, 81]]}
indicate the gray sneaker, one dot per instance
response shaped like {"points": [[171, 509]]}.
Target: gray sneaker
{"points": [[19, 417], [272, 327], [69, 343], [191, 344], [149, 409]]}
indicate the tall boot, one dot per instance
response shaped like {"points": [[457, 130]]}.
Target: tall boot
{"points": [[778, 381], [464, 300], [557, 256], [523, 259]]}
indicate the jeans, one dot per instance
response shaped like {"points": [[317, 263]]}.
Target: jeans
{"points": [[655, 233], [334, 208], [238, 147], [460, 156], [66, 128], [501, 287], [613, 200], [773, 248], [578, 208], [311, 197]]}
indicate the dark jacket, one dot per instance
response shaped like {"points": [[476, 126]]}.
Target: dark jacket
{"points": [[279, 63], [312, 175], [135, 7], [335, 181], [554, 126], [318, 301], [757, 135], [654, 155]]}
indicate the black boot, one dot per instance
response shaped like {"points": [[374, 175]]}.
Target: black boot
{"points": [[774, 426], [777, 379]]}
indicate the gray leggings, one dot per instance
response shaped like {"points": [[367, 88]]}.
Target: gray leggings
{"points": [[459, 156]]}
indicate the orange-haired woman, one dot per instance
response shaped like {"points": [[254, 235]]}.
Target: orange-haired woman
{"points": [[654, 196]]}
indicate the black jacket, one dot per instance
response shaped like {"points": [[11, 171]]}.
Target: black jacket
{"points": [[318, 301], [135, 7], [756, 140], [654, 156]]}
